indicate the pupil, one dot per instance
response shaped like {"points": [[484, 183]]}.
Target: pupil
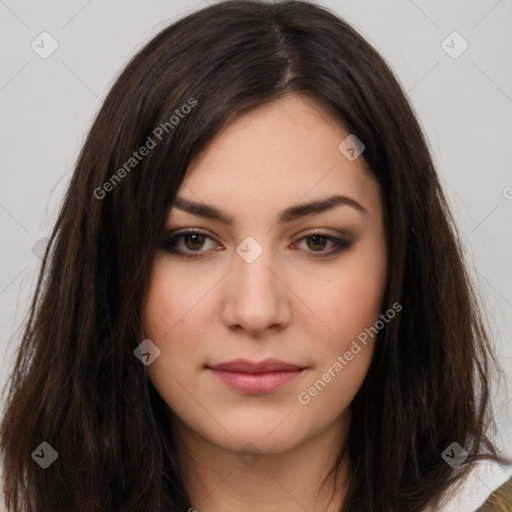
{"points": [[194, 237], [315, 239]]}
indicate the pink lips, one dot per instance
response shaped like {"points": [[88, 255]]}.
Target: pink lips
{"points": [[255, 377]]}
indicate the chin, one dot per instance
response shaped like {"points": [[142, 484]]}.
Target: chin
{"points": [[268, 438]]}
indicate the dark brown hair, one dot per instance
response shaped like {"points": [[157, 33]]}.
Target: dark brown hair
{"points": [[76, 383]]}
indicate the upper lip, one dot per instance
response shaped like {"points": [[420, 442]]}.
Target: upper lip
{"points": [[247, 366]]}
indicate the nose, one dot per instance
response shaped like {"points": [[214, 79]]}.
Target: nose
{"points": [[256, 297]]}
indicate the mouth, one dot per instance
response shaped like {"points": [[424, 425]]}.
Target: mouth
{"points": [[253, 377]]}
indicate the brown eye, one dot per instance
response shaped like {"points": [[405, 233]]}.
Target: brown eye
{"points": [[186, 243], [318, 242], [196, 241]]}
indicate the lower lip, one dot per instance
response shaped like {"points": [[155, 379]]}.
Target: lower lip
{"points": [[255, 383]]}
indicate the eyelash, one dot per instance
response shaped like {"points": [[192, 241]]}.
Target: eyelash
{"points": [[170, 243]]}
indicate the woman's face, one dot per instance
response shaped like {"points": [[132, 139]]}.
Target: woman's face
{"points": [[264, 286]]}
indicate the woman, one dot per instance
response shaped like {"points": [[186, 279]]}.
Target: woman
{"points": [[253, 298]]}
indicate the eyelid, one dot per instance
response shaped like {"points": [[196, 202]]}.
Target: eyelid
{"points": [[179, 231], [185, 231]]}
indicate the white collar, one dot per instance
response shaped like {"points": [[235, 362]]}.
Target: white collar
{"points": [[482, 481]]}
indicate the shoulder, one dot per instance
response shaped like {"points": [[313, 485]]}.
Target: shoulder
{"points": [[500, 500], [487, 486]]}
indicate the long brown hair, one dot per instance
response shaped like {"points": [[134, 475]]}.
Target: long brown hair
{"points": [[76, 383]]}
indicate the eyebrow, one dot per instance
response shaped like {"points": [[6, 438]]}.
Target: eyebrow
{"points": [[286, 215]]}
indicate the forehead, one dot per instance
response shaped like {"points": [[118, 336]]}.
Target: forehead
{"points": [[275, 155]]}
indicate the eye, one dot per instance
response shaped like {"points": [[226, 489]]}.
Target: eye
{"points": [[188, 244], [193, 240], [317, 242]]}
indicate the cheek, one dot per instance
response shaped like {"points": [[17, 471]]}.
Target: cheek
{"points": [[349, 304], [175, 303], [172, 316], [350, 297], [162, 324]]}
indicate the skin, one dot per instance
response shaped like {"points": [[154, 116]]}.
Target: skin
{"points": [[291, 303]]}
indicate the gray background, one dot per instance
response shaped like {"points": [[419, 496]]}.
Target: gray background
{"points": [[464, 105]]}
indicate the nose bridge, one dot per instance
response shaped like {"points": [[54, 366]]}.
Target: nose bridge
{"points": [[252, 270], [255, 293]]}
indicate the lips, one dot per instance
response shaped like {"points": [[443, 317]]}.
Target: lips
{"points": [[255, 377], [247, 366]]}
